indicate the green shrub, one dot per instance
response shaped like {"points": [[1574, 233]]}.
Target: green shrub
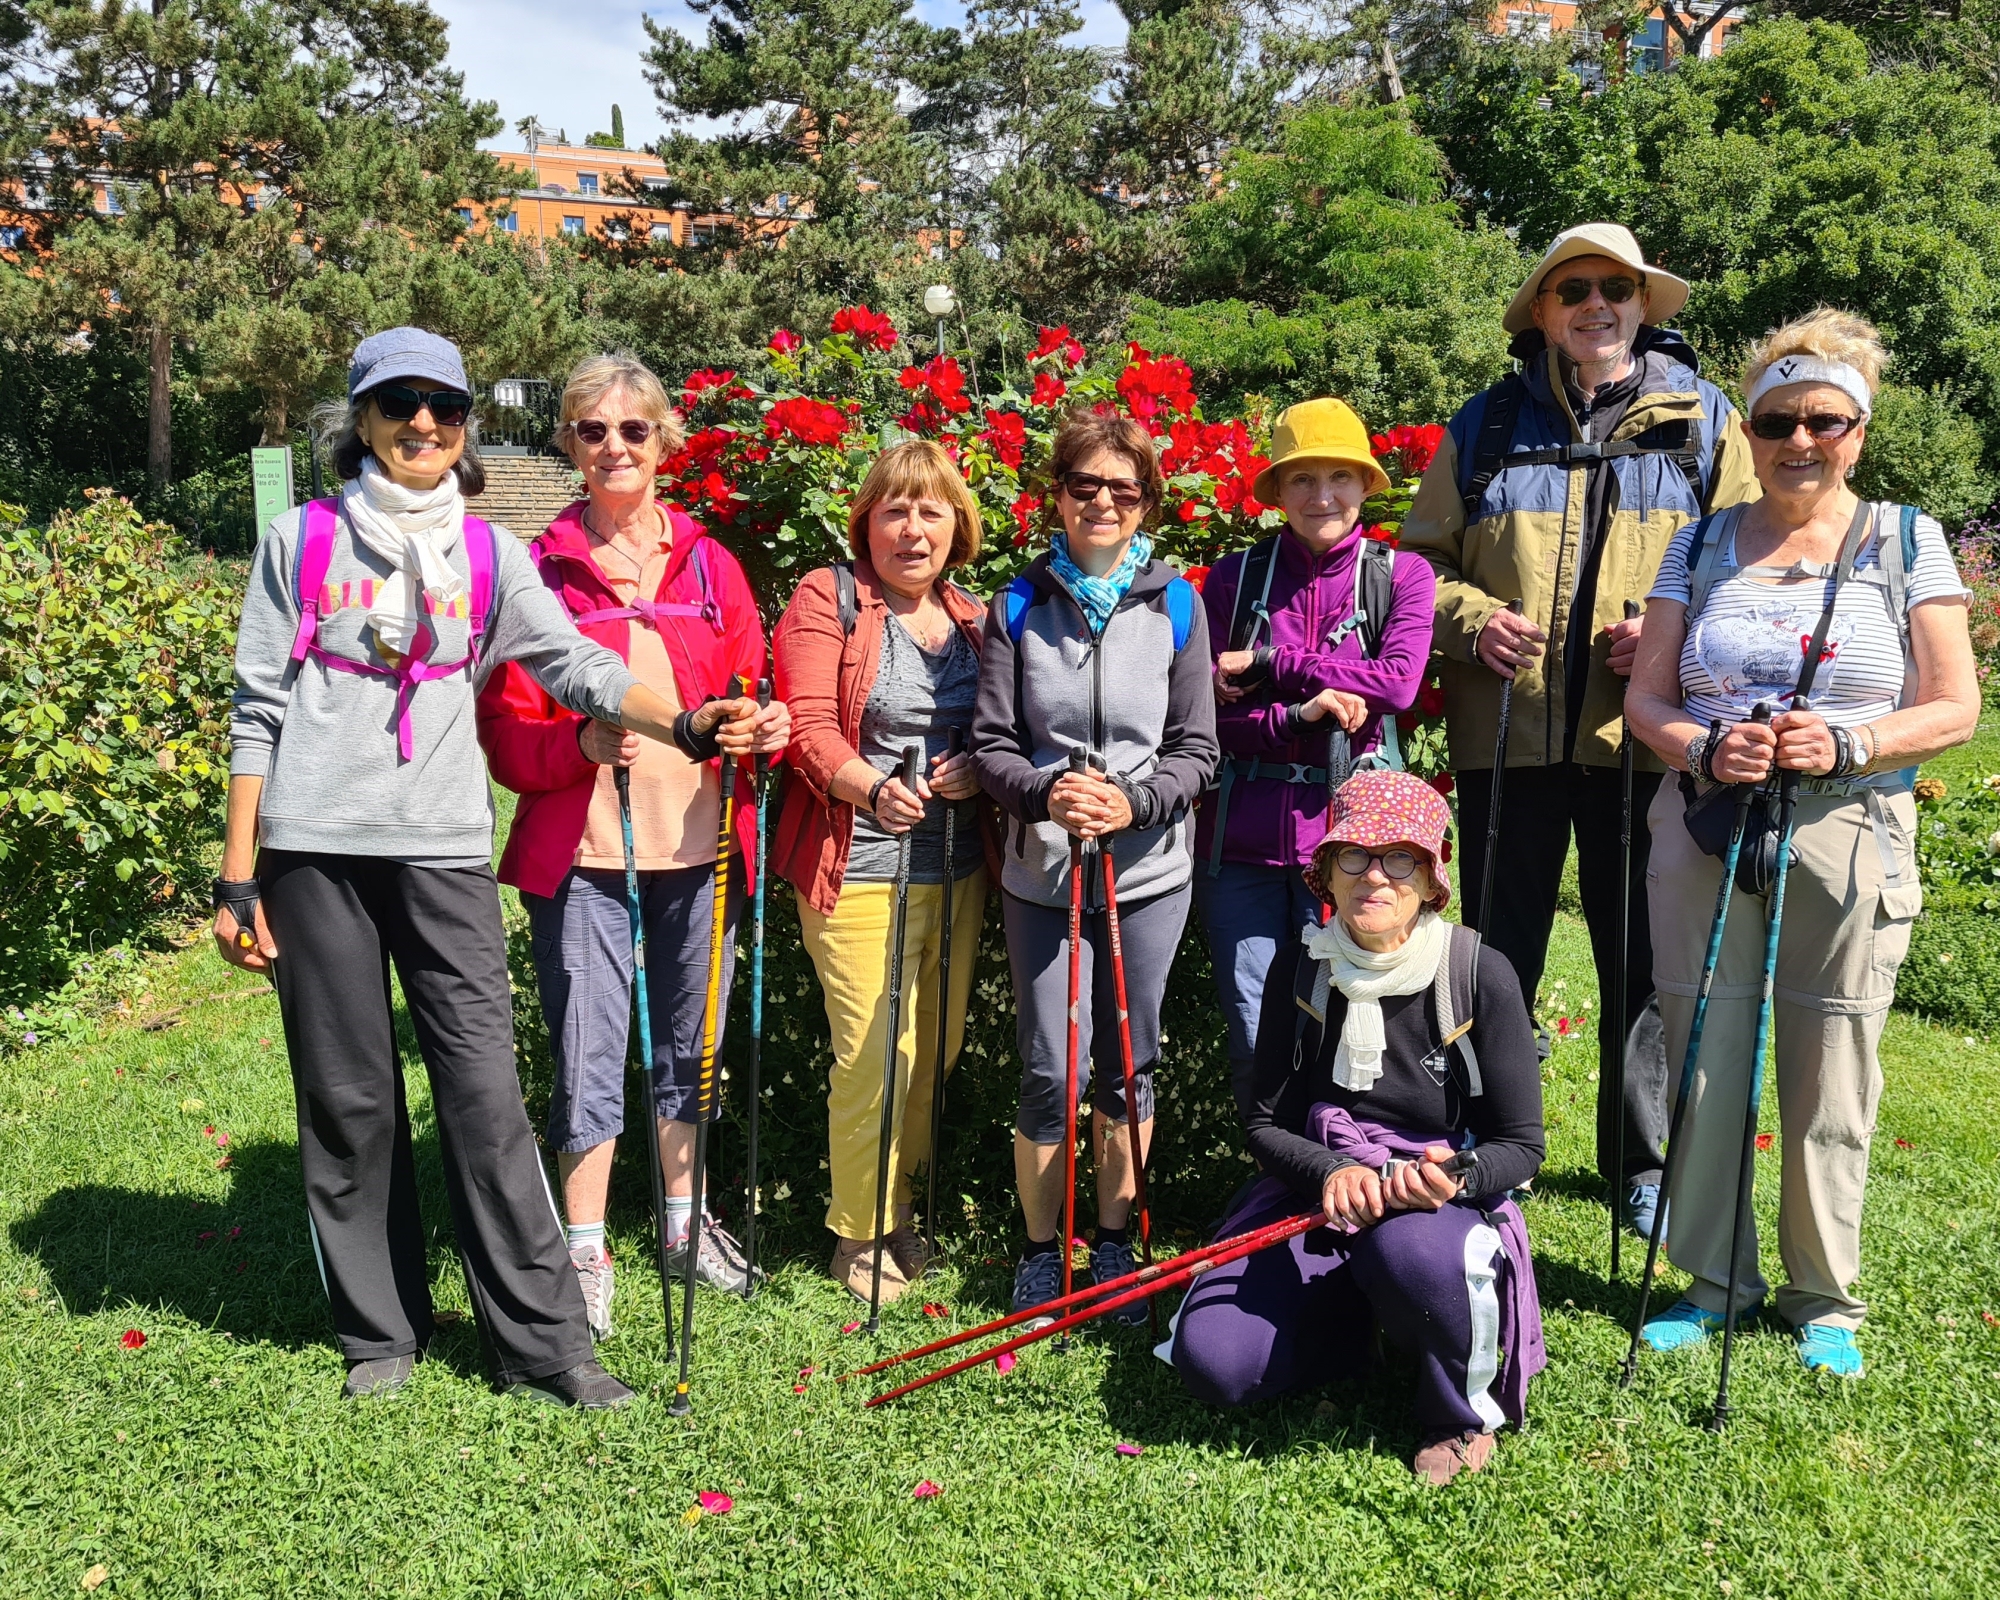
{"points": [[113, 721], [1953, 969]]}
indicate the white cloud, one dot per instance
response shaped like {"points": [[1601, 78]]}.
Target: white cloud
{"points": [[566, 62]]}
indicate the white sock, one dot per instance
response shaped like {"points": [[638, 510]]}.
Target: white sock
{"points": [[680, 1210], [581, 1234]]}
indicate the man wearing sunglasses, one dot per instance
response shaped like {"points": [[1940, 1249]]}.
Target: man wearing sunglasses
{"points": [[1560, 486]]}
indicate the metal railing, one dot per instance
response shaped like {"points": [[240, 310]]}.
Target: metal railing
{"points": [[517, 416]]}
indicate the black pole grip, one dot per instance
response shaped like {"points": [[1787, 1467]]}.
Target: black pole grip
{"points": [[913, 760], [954, 742], [763, 692], [1631, 609], [1078, 761], [1462, 1162]]}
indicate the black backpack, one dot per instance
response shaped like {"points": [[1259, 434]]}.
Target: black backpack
{"points": [[1374, 589], [1454, 999]]}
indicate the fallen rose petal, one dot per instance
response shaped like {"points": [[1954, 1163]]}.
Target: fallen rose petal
{"points": [[1763, 1141], [209, 1131], [715, 1502], [133, 1339], [1131, 1449], [798, 1388], [1904, 1144], [221, 1141], [225, 1161], [203, 1238], [1989, 1319], [1004, 1362], [849, 1327], [926, 1491], [236, 1232], [807, 1372], [934, 1308]]}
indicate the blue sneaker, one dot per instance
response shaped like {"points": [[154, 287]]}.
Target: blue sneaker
{"points": [[1825, 1348], [1037, 1281], [1642, 1208], [1683, 1327], [1113, 1258]]}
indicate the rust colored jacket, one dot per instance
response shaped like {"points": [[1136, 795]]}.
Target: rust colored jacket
{"points": [[824, 676]]}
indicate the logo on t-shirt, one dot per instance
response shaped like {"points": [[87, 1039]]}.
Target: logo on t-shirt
{"points": [[1755, 654]]}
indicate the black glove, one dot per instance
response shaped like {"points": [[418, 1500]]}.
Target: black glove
{"points": [[241, 896]]}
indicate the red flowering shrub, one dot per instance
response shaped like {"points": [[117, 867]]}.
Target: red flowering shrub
{"points": [[1056, 343], [939, 385], [699, 383], [808, 421], [1156, 389], [1412, 448], [865, 327], [1008, 435]]}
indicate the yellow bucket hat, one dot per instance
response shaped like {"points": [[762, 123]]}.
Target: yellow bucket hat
{"points": [[1319, 430]]}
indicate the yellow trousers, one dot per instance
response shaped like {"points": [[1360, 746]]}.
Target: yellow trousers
{"points": [[850, 951]]}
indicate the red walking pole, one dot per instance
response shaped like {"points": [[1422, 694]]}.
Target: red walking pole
{"points": [[1131, 1079], [1076, 764]]}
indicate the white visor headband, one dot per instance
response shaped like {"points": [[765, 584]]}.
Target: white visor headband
{"points": [[1787, 370]]}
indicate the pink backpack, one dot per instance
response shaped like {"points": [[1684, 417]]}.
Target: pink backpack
{"points": [[649, 612], [309, 588]]}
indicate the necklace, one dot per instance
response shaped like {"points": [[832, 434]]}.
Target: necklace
{"points": [[604, 543], [932, 634]]}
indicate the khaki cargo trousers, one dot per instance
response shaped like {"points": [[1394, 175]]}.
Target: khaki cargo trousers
{"points": [[1847, 923]]}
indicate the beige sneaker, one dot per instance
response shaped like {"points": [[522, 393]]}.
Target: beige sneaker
{"points": [[1444, 1459], [854, 1269], [912, 1256]]}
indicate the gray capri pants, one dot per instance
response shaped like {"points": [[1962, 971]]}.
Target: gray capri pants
{"points": [[583, 967], [1037, 950]]}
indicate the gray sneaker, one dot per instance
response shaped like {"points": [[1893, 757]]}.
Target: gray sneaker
{"points": [[1113, 1258], [721, 1265], [594, 1277]]}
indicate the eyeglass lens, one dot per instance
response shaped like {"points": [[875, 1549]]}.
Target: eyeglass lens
{"points": [[1616, 290], [1822, 425], [400, 403], [1397, 864], [1083, 486], [633, 430]]}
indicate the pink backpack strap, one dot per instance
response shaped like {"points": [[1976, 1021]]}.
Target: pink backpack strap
{"points": [[315, 556], [482, 555]]}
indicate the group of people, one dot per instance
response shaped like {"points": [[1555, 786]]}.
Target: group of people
{"points": [[1110, 749]]}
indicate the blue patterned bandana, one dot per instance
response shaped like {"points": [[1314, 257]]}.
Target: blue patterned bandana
{"points": [[1099, 597]]}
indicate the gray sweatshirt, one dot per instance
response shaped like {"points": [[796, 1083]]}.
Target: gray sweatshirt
{"points": [[324, 741]]}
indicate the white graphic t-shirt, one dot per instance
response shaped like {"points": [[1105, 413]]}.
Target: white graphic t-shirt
{"points": [[1750, 639]]}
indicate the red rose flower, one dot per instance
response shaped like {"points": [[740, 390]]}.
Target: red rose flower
{"points": [[1048, 389], [1008, 435], [866, 327], [1154, 386], [1430, 699], [1024, 508], [699, 383], [1198, 576], [133, 1339], [1444, 783], [806, 420], [784, 342], [1057, 342]]}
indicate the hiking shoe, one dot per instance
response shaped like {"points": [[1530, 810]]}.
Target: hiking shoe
{"points": [[854, 1269], [1685, 1326], [1826, 1348], [593, 1277], [1438, 1462], [1037, 1281], [1113, 1258], [586, 1386], [381, 1377], [912, 1255], [722, 1264], [1642, 1209]]}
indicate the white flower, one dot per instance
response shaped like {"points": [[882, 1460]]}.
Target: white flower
{"points": [[1993, 843]]}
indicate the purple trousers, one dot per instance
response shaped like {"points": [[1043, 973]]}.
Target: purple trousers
{"points": [[1301, 1314]]}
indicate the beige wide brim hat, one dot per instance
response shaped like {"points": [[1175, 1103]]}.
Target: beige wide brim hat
{"points": [[1665, 293]]}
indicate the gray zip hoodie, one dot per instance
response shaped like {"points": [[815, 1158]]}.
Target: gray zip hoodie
{"points": [[1125, 695], [324, 741]]}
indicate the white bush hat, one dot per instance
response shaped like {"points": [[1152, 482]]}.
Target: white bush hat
{"points": [[1666, 293]]}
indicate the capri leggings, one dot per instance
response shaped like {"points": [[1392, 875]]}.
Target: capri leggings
{"points": [[1037, 950]]}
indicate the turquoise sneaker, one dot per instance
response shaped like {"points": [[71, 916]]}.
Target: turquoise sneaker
{"points": [[1825, 1348], [1683, 1327]]}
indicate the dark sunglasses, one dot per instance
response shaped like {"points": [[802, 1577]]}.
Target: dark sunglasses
{"points": [[1397, 864], [1616, 290], [633, 430], [1824, 426], [400, 403], [1083, 487]]}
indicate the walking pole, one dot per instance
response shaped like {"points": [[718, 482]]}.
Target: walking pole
{"points": [[622, 776], [758, 879], [1620, 980], [953, 738], [913, 754], [1493, 803], [711, 1024], [1077, 763], [1114, 937], [1746, 1174], [1630, 1368]]}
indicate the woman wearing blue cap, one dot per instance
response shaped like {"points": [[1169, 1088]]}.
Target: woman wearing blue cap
{"points": [[360, 832]]}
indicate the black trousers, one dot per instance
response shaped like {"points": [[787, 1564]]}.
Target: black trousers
{"points": [[338, 922], [1540, 807]]}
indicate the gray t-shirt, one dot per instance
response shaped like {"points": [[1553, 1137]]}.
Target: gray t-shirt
{"points": [[916, 697]]}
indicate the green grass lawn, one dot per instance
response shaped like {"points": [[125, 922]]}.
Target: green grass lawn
{"points": [[217, 1459]]}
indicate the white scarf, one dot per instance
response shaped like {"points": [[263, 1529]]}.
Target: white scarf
{"points": [[415, 531], [1367, 977]]}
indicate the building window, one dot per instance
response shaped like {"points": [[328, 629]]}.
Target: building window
{"points": [[11, 237], [586, 183], [662, 231], [572, 224], [1649, 48], [112, 205], [465, 214], [1530, 24], [511, 223]]}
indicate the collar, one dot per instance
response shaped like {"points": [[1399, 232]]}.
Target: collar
{"points": [[568, 542]]}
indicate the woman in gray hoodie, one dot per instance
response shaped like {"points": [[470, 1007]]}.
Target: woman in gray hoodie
{"points": [[360, 833], [1095, 649]]}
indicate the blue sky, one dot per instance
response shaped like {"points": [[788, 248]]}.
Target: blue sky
{"points": [[566, 62]]}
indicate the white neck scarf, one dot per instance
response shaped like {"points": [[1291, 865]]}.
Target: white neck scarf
{"points": [[415, 531], [1367, 977]]}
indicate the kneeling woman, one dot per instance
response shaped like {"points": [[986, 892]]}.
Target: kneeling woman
{"points": [[1359, 1115]]}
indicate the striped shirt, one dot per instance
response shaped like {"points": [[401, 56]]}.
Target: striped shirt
{"points": [[1749, 641]]}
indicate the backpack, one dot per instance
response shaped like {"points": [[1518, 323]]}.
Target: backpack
{"points": [[310, 591], [1492, 452], [648, 612], [847, 599], [1706, 567], [1454, 998], [1020, 594]]}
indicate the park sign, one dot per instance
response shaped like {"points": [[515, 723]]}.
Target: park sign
{"points": [[271, 483]]}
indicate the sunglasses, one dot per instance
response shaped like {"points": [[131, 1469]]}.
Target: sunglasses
{"points": [[1616, 290], [1823, 426], [1396, 864], [400, 403], [1083, 488], [633, 430]]}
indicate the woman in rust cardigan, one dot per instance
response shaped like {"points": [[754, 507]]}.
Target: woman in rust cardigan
{"points": [[896, 664]]}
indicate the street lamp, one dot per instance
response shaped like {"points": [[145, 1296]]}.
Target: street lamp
{"points": [[940, 302]]}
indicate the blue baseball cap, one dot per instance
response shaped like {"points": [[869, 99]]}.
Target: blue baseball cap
{"points": [[404, 353]]}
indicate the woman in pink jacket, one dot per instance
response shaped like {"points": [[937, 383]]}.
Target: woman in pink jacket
{"points": [[642, 578]]}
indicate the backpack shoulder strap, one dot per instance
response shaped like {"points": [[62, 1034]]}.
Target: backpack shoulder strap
{"points": [[1259, 562], [1020, 594], [847, 601], [1490, 445], [1898, 556], [1374, 592], [1707, 563], [309, 577], [482, 555], [1180, 611], [1312, 983], [1455, 997]]}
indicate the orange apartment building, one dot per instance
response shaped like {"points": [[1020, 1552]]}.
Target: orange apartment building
{"points": [[1646, 51]]}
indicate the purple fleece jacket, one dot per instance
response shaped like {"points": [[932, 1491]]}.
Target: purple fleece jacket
{"points": [[1272, 822]]}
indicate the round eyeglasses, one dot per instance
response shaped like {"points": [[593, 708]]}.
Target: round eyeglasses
{"points": [[1396, 864]]}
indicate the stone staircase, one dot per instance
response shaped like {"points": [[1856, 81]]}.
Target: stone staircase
{"points": [[524, 492]]}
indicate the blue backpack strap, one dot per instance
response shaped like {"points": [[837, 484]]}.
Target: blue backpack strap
{"points": [[1180, 611], [1019, 595]]}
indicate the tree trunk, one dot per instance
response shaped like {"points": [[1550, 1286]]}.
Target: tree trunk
{"points": [[159, 408], [276, 422], [1392, 79]]}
